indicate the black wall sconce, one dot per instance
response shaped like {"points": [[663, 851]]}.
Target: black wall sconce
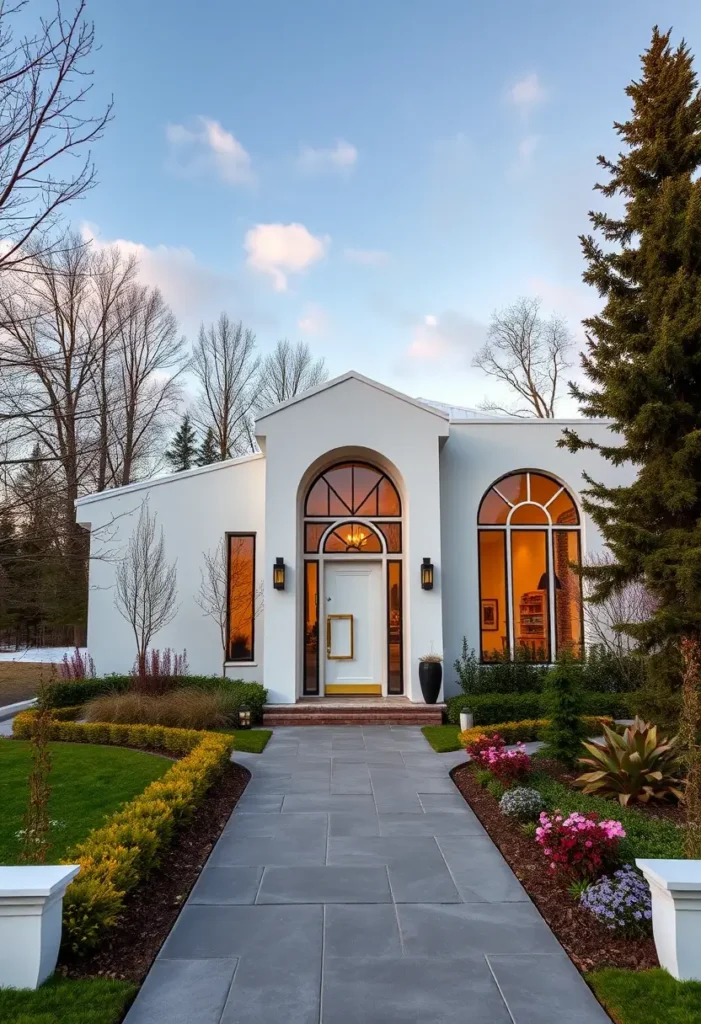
{"points": [[279, 574], [427, 574]]}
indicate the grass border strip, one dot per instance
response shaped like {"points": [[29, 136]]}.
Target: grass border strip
{"points": [[120, 854]]}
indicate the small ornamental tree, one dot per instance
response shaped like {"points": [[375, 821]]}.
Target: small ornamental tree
{"points": [[36, 824], [564, 701], [643, 358], [182, 453]]}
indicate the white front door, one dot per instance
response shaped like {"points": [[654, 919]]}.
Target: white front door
{"points": [[353, 627]]}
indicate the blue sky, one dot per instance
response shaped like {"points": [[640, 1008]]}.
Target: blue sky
{"points": [[374, 177]]}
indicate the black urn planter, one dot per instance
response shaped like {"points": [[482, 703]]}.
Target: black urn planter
{"points": [[430, 676]]}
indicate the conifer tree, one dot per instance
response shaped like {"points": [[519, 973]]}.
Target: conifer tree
{"points": [[208, 450], [182, 452], [643, 357]]}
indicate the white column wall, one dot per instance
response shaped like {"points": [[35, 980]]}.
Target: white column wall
{"points": [[196, 509], [351, 415], [476, 454]]}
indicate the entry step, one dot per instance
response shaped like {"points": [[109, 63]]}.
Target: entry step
{"points": [[353, 711]]}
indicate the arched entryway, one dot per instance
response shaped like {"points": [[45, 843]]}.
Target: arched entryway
{"points": [[352, 618]]}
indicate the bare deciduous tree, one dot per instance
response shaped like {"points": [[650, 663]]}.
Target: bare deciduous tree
{"points": [[214, 590], [287, 371], [146, 588], [227, 371], [527, 353], [44, 124], [604, 620]]}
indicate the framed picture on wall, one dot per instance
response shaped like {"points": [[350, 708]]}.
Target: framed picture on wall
{"points": [[490, 613]]}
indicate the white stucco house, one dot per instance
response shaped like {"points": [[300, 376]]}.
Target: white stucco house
{"points": [[371, 529]]}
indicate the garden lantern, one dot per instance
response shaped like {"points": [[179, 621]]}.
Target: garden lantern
{"points": [[244, 717]]}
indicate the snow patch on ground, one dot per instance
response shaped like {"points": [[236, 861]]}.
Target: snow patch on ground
{"points": [[45, 654]]}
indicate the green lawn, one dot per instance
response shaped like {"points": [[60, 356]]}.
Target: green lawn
{"points": [[442, 737], [249, 741], [87, 782], [63, 1001], [647, 997]]}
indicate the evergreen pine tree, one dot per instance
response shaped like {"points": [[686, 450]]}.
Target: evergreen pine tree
{"points": [[563, 701], [643, 354], [181, 454], [209, 450]]}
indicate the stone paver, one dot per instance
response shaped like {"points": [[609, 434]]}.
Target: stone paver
{"points": [[354, 884]]}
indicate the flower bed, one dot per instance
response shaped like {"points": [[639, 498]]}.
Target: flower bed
{"points": [[115, 858], [589, 942]]}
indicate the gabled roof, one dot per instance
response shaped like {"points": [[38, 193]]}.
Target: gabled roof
{"points": [[352, 375]]}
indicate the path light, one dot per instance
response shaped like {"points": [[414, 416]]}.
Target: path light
{"points": [[279, 574], [244, 717], [427, 574]]}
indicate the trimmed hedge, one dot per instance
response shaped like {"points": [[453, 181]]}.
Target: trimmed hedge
{"points": [[497, 707], [118, 856], [79, 691], [525, 731]]}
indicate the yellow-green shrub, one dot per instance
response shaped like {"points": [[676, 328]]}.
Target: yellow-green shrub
{"points": [[521, 732], [116, 857]]}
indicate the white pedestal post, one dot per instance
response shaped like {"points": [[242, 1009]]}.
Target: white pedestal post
{"points": [[31, 902], [466, 720], [675, 886]]}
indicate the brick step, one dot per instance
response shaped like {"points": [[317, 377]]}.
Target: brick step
{"points": [[301, 714]]}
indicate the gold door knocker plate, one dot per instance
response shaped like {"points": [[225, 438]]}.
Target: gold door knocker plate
{"points": [[338, 657]]}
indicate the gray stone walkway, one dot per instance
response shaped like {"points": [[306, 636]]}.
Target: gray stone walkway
{"points": [[353, 885]]}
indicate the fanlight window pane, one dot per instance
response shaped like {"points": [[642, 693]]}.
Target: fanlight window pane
{"points": [[393, 536], [340, 480], [568, 592], [529, 569], [529, 515], [494, 613], [353, 538], [493, 510], [543, 488], [318, 499], [387, 499], [353, 489], [312, 536], [395, 680], [563, 511], [514, 488], [241, 596], [311, 627]]}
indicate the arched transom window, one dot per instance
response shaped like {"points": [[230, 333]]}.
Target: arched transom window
{"points": [[530, 594]]}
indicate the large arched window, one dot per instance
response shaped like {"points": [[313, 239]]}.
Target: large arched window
{"points": [[530, 594]]}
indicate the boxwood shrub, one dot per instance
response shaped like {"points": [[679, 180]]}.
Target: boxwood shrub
{"points": [[79, 691], [488, 708]]}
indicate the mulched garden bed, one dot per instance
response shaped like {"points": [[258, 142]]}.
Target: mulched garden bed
{"points": [[589, 944], [152, 908]]}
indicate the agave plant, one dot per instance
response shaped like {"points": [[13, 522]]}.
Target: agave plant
{"points": [[633, 763]]}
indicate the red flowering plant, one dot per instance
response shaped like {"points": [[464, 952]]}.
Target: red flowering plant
{"points": [[579, 845], [508, 766], [479, 747]]}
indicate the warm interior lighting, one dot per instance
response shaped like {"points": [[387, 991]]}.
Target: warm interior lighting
{"points": [[279, 574], [356, 538]]}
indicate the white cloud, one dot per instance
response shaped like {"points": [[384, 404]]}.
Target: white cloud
{"points": [[340, 158], [527, 93], [282, 249], [524, 155], [314, 319], [430, 320], [209, 147], [367, 257]]}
